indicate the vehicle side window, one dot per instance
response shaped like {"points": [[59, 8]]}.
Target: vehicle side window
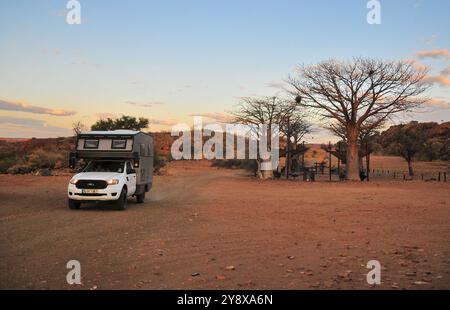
{"points": [[90, 144], [130, 169], [118, 144]]}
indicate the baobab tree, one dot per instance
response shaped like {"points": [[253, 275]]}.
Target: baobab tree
{"points": [[368, 140], [355, 93], [260, 111]]}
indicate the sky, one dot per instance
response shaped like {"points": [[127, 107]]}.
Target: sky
{"points": [[169, 60]]}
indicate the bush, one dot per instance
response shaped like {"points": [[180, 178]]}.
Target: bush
{"points": [[20, 169], [6, 163], [246, 164], [41, 158], [158, 161]]}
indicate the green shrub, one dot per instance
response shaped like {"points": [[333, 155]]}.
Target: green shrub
{"points": [[20, 169], [6, 163], [41, 158]]}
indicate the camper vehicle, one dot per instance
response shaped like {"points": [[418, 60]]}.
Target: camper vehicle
{"points": [[118, 164]]}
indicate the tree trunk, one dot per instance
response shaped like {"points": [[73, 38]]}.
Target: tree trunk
{"points": [[352, 159], [410, 168], [288, 158], [267, 174], [258, 169]]}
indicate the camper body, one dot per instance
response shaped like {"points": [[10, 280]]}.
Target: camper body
{"points": [[119, 164]]}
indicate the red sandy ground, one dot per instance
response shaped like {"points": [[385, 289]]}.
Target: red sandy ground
{"points": [[200, 220]]}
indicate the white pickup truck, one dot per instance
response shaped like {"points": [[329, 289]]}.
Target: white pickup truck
{"points": [[104, 180], [119, 165]]}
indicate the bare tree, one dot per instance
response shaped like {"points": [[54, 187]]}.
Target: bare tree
{"points": [[294, 127], [256, 111], [78, 127], [355, 93]]}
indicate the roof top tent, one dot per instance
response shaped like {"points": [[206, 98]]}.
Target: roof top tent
{"points": [[135, 146]]}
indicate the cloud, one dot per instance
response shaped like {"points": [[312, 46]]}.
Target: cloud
{"points": [[419, 66], [430, 40], [445, 53], [442, 80], [154, 121], [145, 105], [105, 115], [16, 127], [23, 107], [20, 121], [277, 85], [215, 116], [438, 103], [446, 71]]}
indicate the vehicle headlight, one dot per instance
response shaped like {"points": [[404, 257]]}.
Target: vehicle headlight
{"points": [[112, 182], [73, 181]]}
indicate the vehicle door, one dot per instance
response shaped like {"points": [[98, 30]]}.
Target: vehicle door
{"points": [[130, 178]]}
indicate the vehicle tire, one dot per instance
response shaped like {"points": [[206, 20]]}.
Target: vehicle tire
{"points": [[74, 205], [121, 203], [140, 198]]}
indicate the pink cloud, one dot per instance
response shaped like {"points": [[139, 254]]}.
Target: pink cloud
{"points": [[439, 103], [446, 71], [418, 65], [434, 54], [442, 80], [24, 107]]}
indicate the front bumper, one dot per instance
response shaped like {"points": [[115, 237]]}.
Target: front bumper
{"points": [[112, 192]]}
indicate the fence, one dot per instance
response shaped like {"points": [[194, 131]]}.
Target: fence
{"points": [[315, 174], [384, 174]]}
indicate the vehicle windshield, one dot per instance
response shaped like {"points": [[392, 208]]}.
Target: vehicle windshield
{"points": [[104, 166]]}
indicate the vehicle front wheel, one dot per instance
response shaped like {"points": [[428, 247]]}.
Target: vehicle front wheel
{"points": [[74, 205], [140, 198], [121, 203]]}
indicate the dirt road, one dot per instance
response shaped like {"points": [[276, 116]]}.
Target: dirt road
{"points": [[208, 228]]}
